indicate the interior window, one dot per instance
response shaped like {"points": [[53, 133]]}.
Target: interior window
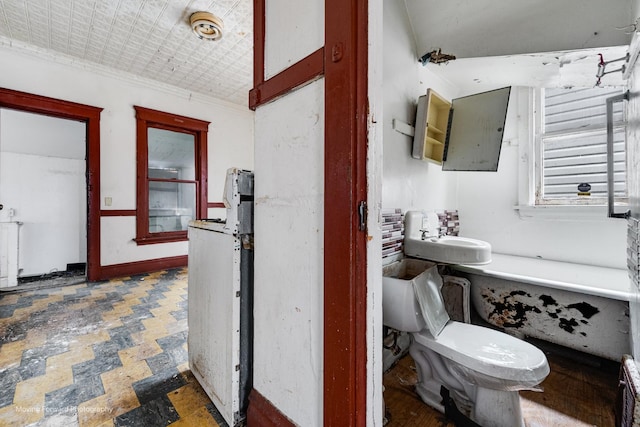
{"points": [[571, 167], [172, 169]]}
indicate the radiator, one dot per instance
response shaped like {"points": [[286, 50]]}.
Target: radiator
{"points": [[8, 254], [628, 407]]}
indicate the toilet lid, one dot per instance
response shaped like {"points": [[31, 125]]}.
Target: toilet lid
{"points": [[488, 351]]}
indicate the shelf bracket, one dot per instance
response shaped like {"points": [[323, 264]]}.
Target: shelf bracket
{"points": [[403, 128]]}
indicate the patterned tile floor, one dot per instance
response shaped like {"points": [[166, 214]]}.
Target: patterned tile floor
{"points": [[111, 353]]}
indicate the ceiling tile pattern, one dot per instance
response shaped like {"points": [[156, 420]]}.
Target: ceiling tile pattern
{"points": [[149, 38]]}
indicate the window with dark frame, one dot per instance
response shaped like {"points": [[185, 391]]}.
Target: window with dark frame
{"points": [[171, 175]]}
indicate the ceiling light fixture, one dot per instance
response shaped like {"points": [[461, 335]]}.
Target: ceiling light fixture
{"points": [[206, 25]]}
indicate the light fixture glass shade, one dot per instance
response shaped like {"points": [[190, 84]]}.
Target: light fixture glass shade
{"points": [[206, 25]]}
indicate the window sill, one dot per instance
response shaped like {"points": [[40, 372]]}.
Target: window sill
{"points": [[563, 213], [152, 240]]}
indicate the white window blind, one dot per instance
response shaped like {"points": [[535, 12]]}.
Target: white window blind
{"points": [[574, 146]]}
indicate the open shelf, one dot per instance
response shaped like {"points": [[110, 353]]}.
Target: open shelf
{"points": [[434, 129], [430, 140]]}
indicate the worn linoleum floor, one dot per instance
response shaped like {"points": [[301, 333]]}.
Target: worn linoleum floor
{"points": [[100, 354]]}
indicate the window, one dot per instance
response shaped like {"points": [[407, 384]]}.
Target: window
{"points": [[572, 147], [172, 175]]}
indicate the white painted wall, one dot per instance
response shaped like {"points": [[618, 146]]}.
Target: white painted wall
{"points": [[408, 183], [43, 186], [375, 407], [633, 130], [633, 168], [293, 30], [230, 137], [289, 239]]}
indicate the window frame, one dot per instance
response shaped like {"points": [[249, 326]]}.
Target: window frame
{"points": [[537, 197], [147, 118]]}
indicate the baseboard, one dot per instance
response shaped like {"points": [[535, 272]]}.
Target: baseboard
{"points": [[139, 267], [262, 413]]}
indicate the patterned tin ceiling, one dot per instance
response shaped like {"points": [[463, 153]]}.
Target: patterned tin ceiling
{"points": [[148, 38]]}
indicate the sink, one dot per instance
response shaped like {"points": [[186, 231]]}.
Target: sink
{"points": [[449, 249], [445, 249]]}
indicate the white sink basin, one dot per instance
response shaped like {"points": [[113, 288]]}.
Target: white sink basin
{"points": [[449, 249], [446, 249]]}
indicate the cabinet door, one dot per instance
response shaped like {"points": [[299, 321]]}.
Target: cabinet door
{"points": [[475, 134]]}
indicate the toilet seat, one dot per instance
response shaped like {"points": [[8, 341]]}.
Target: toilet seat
{"points": [[489, 352]]}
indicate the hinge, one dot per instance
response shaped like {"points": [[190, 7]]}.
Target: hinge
{"points": [[362, 215]]}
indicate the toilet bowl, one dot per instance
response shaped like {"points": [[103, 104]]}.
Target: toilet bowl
{"points": [[482, 368]]}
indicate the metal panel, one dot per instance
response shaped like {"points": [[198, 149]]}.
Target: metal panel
{"points": [[245, 217], [245, 183], [477, 127], [238, 199], [246, 325]]}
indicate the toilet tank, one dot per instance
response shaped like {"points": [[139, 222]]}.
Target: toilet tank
{"points": [[412, 297], [400, 307]]}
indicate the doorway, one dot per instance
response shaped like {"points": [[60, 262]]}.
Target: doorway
{"points": [[43, 191], [89, 118]]}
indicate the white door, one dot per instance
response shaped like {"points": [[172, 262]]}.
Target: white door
{"points": [[214, 317], [42, 192]]}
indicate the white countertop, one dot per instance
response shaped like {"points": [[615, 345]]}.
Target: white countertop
{"points": [[209, 225]]}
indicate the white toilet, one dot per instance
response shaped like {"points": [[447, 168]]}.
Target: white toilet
{"points": [[483, 369]]}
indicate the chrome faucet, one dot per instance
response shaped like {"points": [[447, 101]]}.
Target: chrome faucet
{"points": [[425, 232]]}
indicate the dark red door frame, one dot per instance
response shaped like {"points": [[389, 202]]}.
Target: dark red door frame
{"points": [[343, 61], [345, 246], [91, 116]]}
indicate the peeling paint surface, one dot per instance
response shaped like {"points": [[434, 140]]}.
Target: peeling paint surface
{"points": [[511, 310], [588, 323]]}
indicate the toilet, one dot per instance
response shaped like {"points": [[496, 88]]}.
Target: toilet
{"points": [[483, 369]]}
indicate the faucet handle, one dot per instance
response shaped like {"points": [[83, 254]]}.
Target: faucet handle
{"points": [[423, 235]]}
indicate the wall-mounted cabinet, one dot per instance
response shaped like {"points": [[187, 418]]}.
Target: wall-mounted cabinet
{"points": [[432, 121], [464, 134]]}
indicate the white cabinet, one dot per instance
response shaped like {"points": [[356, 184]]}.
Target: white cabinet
{"points": [[220, 317]]}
